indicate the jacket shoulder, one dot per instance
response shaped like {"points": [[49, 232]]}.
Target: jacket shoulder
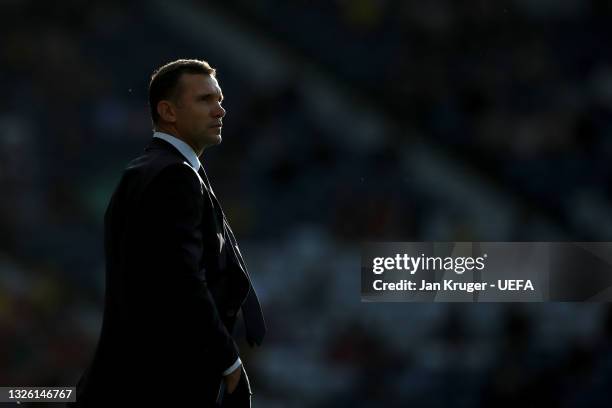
{"points": [[155, 163], [157, 168]]}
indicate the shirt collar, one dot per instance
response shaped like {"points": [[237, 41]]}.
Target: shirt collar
{"points": [[182, 147]]}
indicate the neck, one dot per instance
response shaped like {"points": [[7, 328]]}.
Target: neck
{"points": [[172, 131]]}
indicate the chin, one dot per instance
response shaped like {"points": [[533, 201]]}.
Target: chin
{"points": [[214, 140], [211, 139]]}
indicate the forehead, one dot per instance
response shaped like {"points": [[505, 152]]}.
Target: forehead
{"points": [[196, 84]]}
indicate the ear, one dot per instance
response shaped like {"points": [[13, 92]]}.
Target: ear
{"points": [[166, 111]]}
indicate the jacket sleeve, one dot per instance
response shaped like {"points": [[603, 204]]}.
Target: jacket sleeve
{"points": [[173, 204]]}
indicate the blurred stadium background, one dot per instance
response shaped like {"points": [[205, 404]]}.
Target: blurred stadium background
{"points": [[347, 121]]}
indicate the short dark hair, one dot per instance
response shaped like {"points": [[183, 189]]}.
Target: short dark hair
{"points": [[165, 80]]}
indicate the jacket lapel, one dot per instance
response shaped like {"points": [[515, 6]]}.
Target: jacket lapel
{"points": [[223, 225]]}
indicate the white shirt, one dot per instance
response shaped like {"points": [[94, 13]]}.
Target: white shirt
{"points": [[182, 147], [193, 160]]}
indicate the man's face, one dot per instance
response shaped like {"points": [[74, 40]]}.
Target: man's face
{"points": [[198, 110]]}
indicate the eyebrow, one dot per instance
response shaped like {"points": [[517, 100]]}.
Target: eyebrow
{"points": [[208, 95]]}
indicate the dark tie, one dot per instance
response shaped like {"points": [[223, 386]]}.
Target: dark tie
{"points": [[251, 309]]}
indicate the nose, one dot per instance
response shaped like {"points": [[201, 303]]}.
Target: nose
{"points": [[219, 112]]}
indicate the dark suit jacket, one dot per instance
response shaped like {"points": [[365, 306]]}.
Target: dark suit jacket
{"points": [[175, 281]]}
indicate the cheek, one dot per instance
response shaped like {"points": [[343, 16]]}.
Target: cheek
{"points": [[200, 112]]}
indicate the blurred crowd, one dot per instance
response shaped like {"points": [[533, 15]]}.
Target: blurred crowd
{"points": [[517, 92], [522, 90]]}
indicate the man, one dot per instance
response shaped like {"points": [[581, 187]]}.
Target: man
{"points": [[175, 278]]}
